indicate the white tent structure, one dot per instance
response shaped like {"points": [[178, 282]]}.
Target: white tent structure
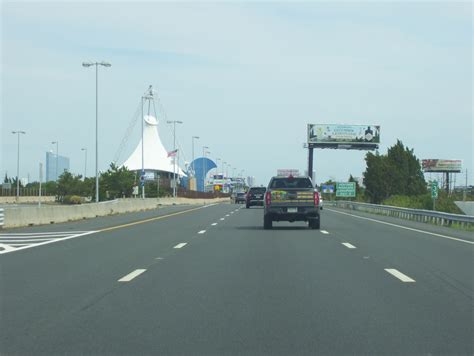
{"points": [[156, 156]]}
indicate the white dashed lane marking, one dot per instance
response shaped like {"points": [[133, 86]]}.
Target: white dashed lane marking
{"points": [[181, 245], [399, 275], [222, 219], [227, 215], [213, 224], [348, 245], [132, 275], [324, 232], [202, 232]]}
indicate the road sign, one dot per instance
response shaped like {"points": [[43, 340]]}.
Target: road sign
{"points": [[346, 189], [327, 188], [434, 189]]}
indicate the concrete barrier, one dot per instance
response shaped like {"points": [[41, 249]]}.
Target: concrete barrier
{"points": [[27, 199], [50, 214]]}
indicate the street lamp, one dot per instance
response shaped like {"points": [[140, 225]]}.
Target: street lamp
{"points": [[174, 122], [194, 138], [217, 165], [57, 157], [223, 168], [85, 161], [18, 164], [86, 65], [204, 148]]}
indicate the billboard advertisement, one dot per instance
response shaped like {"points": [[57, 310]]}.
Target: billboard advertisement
{"points": [[441, 165], [344, 136], [327, 188]]}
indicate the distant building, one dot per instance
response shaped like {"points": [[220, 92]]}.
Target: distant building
{"points": [[251, 181], [51, 161]]}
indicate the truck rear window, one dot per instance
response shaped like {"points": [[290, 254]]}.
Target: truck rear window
{"points": [[283, 183], [257, 190]]}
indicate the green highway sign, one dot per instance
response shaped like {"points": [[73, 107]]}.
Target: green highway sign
{"points": [[434, 189], [346, 189]]}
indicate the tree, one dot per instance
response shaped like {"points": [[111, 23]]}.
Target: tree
{"points": [[69, 184], [117, 182], [397, 173]]}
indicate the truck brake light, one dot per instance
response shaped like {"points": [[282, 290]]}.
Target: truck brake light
{"points": [[316, 198], [268, 198]]}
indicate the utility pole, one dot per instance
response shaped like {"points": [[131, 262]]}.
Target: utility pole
{"points": [[174, 122], [193, 170], [85, 162], [18, 164], [86, 65], [57, 158], [464, 195], [40, 182]]}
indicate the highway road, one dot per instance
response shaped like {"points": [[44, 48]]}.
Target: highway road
{"points": [[210, 281]]}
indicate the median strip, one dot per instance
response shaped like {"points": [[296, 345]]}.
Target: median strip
{"points": [[399, 275], [132, 275]]}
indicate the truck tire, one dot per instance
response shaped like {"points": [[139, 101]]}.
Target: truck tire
{"points": [[267, 222], [314, 224]]}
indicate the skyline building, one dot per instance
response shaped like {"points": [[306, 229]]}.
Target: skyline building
{"points": [[52, 159]]}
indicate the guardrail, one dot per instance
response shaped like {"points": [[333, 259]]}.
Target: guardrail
{"points": [[1, 218], [427, 216]]}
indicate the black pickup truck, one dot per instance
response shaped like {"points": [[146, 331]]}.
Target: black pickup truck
{"points": [[291, 199]]}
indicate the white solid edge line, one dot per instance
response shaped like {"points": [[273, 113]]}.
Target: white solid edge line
{"points": [[404, 227], [348, 245], [399, 275], [181, 245], [131, 275], [202, 232], [48, 242], [53, 233], [213, 224], [324, 232]]}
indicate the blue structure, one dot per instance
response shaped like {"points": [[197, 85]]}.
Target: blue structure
{"points": [[201, 167]]}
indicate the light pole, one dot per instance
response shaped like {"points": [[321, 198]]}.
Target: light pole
{"points": [[86, 65], [204, 148], [194, 138], [57, 157], [174, 122], [85, 161], [18, 164], [217, 164], [223, 168]]}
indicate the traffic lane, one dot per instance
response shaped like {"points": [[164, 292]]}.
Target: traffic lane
{"points": [[40, 284], [239, 289], [442, 262], [436, 229], [94, 224]]}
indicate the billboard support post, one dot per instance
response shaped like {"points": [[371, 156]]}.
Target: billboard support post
{"points": [[447, 182], [310, 162]]}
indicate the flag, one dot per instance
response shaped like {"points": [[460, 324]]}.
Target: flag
{"points": [[172, 153]]}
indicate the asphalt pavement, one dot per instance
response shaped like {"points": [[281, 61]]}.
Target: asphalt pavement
{"points": [[210, 281]]}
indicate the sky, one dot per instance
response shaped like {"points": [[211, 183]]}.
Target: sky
{"points": [[246, 77]]}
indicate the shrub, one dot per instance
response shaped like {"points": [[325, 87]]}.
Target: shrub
{"points": [[73, 199]]}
